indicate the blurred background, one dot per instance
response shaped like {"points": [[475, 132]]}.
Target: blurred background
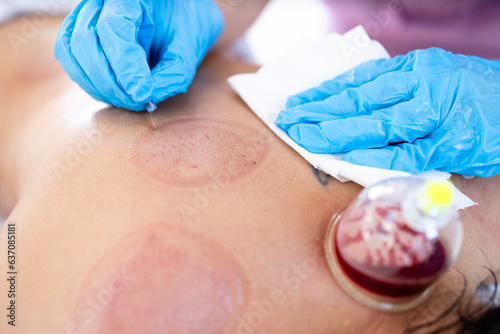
{"points": [[281, 25]]}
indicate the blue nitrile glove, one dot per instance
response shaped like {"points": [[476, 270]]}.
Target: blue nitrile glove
{"points": [[131, 52], [430, 109]]}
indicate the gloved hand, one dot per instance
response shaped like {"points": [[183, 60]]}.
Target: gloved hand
{"points": [[430, 109], [131, 52]]}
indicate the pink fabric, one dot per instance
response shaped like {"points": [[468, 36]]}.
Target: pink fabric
{"points": [[460, 26]]}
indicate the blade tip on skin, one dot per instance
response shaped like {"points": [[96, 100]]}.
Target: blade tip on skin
{"points": [[151, 107]]}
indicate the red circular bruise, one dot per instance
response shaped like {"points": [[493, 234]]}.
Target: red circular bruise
{"points": [[164, 281], [192, 152]]}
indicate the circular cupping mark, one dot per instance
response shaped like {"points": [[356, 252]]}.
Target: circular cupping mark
{"points": [[163, 280], [192, 152]]}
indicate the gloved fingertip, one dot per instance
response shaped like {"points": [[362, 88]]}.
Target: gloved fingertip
{"points": [[178, 84], [359, 157], [293, 101], [383, 158], [136, 107], [166, 93], [127, 104], [378, 158], [141, 93], [283, 121], [310, 137]]}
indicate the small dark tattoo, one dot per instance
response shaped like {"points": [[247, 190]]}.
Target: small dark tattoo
{"points": [[322, 177]]}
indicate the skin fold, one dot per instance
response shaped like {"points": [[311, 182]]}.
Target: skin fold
{"points": [[197, 220]]}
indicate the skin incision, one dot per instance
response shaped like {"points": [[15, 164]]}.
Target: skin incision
{"points": [[167, 281], [192, 152]]}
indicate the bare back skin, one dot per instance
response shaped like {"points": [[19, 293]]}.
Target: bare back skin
{"points": [[197, 220]]}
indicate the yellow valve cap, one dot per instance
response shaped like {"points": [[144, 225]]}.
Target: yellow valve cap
{"points": [[437, 195]]}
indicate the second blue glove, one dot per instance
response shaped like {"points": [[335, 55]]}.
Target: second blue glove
{"points": [[430, 109]]}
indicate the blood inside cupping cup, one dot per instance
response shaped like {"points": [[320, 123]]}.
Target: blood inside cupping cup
{"points": [[378, 251], [391, 245]]}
